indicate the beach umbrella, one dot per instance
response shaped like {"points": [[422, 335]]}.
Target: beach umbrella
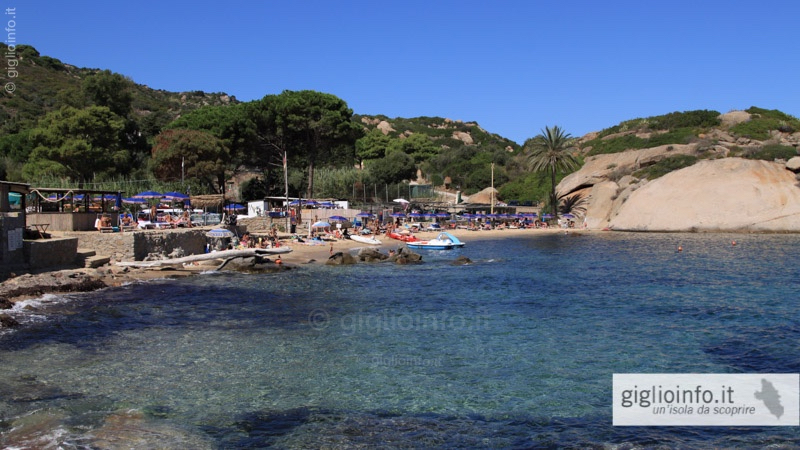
{"points": [[398, 214], [415, 215], [443, 215], [327, 205], [321, 224], [568, 216], [148, 194], [337, 218], [219, 233], [364, 214], [175, 196], [400, 200], [136, 201], [234, 207]]}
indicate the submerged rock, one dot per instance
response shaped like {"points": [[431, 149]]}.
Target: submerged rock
{"points": [[461, 261]]}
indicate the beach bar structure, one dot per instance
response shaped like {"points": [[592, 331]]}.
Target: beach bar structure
{"points": [[12, 227], [71, 209]]}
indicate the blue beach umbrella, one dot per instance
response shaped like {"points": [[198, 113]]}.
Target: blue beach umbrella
{"points": [[397, 214], [220, 233], [175, 196], [364, 214], [148, 194], [234, 207], [338, 218]]}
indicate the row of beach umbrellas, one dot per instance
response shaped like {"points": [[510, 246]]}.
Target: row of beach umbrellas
{"points": [[142, 197], [444, 215]]}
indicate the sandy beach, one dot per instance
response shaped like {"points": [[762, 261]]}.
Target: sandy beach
{"points": [[303, 254]]}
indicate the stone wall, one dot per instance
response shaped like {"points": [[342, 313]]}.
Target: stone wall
{"points": [[137, 245], [166, 243], [44, 253]]}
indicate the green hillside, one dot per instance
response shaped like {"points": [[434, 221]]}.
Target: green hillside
{"points": [[45, 84], [119, 131]]}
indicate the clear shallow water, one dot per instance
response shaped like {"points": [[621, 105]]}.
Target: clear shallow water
{"points": [[516, 350]]}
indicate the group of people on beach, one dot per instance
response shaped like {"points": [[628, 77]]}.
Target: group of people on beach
{"points": [[270, 241]]}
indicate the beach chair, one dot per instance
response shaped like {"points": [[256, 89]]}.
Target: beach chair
{"points": [[98, 224]]}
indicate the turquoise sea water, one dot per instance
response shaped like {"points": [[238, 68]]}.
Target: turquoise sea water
{"points": [[516, 350]]}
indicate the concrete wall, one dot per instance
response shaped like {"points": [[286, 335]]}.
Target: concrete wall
{"points": [[44, 253], [12, 254], [67, 221]]}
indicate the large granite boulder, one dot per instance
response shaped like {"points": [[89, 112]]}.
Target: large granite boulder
{"points": [[731, 194]]}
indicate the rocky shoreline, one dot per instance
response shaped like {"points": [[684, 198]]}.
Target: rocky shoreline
{"points": [[33, 285]]}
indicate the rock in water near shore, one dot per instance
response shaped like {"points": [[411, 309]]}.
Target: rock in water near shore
{"points": [[253, 264], [30, 285], [405, 256], [341, 258], [461, 261], [7, 321], [371, 255]]}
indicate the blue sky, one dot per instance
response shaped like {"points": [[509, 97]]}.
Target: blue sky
{"points": [[512, 66]]}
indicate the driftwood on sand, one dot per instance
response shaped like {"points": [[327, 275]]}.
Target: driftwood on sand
{"points": [[225, 254]]}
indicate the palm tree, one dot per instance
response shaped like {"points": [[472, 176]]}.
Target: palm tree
{"points": [[550, 151]]}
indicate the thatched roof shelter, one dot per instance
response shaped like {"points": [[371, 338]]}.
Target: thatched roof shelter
{"points": [[207, 201], [484, 197]]}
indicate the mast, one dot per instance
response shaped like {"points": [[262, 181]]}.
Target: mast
{"points": [[491, 193]]}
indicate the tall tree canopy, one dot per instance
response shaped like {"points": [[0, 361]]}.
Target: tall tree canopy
{"points": [[196, 154], [233, 124], [314, 128], [418, 146], [373, 145], [395, 167], [77, 144], [551, 152], [109, 89]]}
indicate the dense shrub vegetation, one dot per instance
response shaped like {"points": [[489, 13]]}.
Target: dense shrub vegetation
{"points": [[665, 166], [672, 128], [762, 121]]}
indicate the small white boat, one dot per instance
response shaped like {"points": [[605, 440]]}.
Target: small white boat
{"points": [[365, 239], [444, 241]]}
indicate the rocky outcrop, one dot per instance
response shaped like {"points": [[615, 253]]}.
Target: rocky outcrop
{"points": [[385, 127], [730, 194], [600, 168], [463, 137], [30, 285]]}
